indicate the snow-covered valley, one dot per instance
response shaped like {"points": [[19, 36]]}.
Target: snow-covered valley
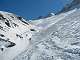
{"points": [[58, 40], [53, 38]]}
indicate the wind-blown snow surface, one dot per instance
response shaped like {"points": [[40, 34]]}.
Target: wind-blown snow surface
{"points": [[53, 38]]}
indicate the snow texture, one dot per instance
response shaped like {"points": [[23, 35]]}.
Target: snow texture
{"points": [[53, 38]]}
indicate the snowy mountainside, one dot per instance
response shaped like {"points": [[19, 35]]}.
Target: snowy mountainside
{"points": [[60, 41], [46, 22], [53, 38], [15, 34]]}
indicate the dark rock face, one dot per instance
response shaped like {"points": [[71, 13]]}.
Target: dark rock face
{"points": [[7, 23]]}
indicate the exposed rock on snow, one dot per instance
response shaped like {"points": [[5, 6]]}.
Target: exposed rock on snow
{"points": [[14, 35]]}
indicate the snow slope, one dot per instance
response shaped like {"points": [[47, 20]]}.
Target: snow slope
{"points": [[53, 38], [59, 39], [13, 29]]}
